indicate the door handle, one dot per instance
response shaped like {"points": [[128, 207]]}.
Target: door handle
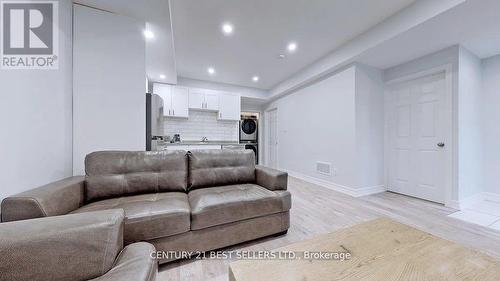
{"points": [[441, 144]]}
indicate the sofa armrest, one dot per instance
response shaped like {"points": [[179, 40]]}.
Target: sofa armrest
{"points": [[271, 179], [134, 263], [70, 247], [53, 199]]}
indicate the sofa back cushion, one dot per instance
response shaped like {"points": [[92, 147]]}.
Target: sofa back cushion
{"points": [[209, 168], [119, 173]]}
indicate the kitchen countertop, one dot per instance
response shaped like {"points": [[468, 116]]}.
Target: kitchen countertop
{"points": [[201, 143]]}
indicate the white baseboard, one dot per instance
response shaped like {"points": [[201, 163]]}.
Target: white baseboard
{"points": [[355, 192], [471, 200], [495, 197], [454, 204]]}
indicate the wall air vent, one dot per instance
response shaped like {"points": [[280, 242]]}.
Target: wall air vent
{"points": [[324, 168]]}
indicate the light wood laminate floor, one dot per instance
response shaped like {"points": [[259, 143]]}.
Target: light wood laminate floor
{"points": [[317, 210]]}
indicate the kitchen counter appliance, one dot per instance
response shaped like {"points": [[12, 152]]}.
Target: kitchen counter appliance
{"points": [[154, 121], [249, 132]]}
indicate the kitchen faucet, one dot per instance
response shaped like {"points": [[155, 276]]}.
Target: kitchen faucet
{"points": [[204, 139]]}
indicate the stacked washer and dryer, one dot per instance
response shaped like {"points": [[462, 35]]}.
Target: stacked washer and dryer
{"points": [[249, 132]]}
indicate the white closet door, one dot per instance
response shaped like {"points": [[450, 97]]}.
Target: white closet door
{"points": [[416, 138]]}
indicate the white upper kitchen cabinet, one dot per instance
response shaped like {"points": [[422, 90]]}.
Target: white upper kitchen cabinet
{"points": [[211, 100], [180, 102], [196, 98], [229, 107], [202, 99], [175, 99]]}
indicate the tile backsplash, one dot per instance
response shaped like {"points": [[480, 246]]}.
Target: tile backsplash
{"points": [[202, 124]]}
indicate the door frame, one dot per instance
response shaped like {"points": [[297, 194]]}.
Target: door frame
{"points": [[267, 128], [449, 130]]}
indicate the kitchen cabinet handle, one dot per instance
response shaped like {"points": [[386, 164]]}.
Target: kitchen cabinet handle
{"points": [[173, 112], [169, 112], [220, 114]]}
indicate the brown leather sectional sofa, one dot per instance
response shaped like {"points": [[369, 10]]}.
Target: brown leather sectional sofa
{"points": [[177, 201]]}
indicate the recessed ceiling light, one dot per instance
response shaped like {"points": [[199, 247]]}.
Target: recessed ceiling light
{"points": [[211, 70], [292, 47], [162, 76], [149, 34], [255, 78], [227, 28]]}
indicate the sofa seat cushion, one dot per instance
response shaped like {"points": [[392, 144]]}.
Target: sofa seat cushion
{"points": [[225, 204], [148, 216]]}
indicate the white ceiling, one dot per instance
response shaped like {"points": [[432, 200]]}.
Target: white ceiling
{"points": [[160, 55], [475, 24], [262, 29]]}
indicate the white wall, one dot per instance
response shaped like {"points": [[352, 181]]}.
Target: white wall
{"points": [[35, 117], [317, 123], [109, 72], [470, 162], [251, 106], [338, 120], [369, 126], [491, 117]]}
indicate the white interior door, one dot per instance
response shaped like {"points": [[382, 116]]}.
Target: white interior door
{"points": [[416, 138], [272, 140]]}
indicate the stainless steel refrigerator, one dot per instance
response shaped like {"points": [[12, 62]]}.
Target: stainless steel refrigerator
{"points": [[154, 120]]}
